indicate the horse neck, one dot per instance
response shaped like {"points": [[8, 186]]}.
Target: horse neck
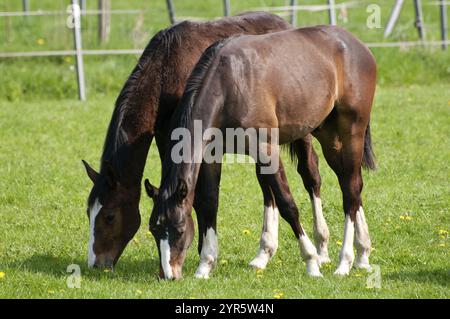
{"points": [[138, 121], [203, 117]]}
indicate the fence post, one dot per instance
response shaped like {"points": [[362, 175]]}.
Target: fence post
{"points": [[104, 25], [226, 8], [419, 19], [294, 13], [83, 5], [171, 10], [332, 12], [393, 18], [442, 7], [26, 5], [78, 50]]}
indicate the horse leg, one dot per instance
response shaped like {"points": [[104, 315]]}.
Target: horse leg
{"points": [[206, 204], [342, 141], [288, 209], [309, 171], [268, 243]]}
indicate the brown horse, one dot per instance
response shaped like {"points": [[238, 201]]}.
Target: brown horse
{"points": [[319, 80], [142, 111]]}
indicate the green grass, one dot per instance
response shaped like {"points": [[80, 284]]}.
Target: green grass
{"points": [[45, 132], [44, 226]]}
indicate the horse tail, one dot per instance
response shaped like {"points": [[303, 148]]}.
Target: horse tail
{"points": [[368, 161]]}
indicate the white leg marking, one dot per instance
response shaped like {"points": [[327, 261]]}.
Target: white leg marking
{"points": [[321, 232], [362, 241], [165, 257], [93, 212], [269, 238], [208, 255], [347, 255], [309, 255]]}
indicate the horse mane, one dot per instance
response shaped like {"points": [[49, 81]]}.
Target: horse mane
{"points": [[116, 142], [196, 80], [188, 100]]}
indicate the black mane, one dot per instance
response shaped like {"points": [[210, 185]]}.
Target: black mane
{"points": [[116, 142], [184, 111], [196, 80]]}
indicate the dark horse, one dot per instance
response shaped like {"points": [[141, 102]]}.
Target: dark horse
{"points": [[319, 80], [143, 111]]}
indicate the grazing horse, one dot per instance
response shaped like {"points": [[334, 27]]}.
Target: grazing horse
{"points": [[319, 80], [143, 111]]}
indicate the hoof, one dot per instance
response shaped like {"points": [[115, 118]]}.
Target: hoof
{"points": [[259, 263], [364, 266], [324, 259], [313, 269], [342, 270], [203, 271]]}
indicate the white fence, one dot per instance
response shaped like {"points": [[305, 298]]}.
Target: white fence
{"points": [[287, 11]]}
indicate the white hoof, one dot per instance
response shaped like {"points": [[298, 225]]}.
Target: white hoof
{"points": [[259, 262], [362, 261], [203, 271], [312, 268], [324, 259], [361, 265], [342, 270]]}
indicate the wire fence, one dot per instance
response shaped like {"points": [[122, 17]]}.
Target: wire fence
{"points": [[77, 9]]}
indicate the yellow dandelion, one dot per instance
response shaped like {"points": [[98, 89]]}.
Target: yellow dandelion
{"points": [[51, 291], [405, 217], [259, 273], [2, 274], [278, 295], [246, 232], [442, 232], [338, 242], [40, 41], [223, 262], [139, 292]]}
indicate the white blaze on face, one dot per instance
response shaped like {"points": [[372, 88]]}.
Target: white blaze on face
{"points": [[93, 212], [164, 247], [347, 255], [208, 255]]}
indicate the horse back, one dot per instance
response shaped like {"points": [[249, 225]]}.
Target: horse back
{"points": [[294, 78]]}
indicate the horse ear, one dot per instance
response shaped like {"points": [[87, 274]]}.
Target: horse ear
{"points": [[152, 191], [93, 175], [182, 190], [110, 174]]}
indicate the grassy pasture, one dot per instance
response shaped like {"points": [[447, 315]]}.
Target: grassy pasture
{"points": [[45, 132]]}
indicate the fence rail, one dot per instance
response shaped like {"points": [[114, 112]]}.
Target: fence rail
{"points": [[287, 11]]}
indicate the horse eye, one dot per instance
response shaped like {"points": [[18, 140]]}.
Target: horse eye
{"points": [[109, 219]]}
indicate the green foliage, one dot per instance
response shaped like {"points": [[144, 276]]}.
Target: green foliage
{"points": [[55, 77]]}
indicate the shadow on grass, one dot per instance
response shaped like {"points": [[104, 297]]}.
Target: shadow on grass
{"points": [[126, 269], [435, 276]]}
